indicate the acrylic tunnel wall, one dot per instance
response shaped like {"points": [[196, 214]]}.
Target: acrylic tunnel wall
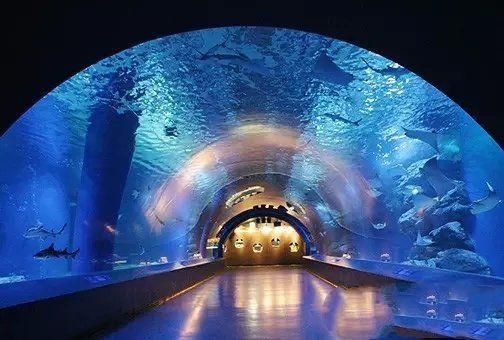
{"points": [[141, 158]]}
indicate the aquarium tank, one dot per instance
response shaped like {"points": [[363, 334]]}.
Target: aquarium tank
{"points": [[139, 159]]}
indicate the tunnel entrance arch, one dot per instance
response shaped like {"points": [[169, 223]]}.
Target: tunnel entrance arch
{"points": [[280, 213]]}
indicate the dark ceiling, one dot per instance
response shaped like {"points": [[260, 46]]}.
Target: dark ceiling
{"points": [[456, 47]]}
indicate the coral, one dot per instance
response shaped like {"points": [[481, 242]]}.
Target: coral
{"points": [[462, 260], [451, 235]]}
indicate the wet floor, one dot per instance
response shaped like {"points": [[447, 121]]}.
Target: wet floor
{"points": [[274, 302]]}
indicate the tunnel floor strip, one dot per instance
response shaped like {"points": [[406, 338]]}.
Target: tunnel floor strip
{"points": [[274, 302]]}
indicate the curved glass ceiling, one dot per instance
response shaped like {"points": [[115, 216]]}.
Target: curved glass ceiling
{"points": [[381, 162]]}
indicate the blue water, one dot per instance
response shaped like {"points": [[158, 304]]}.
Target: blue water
{"points": [[313, 120]]}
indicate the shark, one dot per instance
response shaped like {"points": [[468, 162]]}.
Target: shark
{"points": [[50, 252], [41, 232], [487, 203], [226, 55], [388, 71], [422, 240], [336, 116]]}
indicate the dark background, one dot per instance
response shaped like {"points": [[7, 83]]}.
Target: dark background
{"points": [[457, 47]]}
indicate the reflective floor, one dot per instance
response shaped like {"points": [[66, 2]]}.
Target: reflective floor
{"points": [[274, 302]]}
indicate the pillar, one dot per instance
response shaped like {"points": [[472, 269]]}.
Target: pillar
{"points": [[110, 143]]}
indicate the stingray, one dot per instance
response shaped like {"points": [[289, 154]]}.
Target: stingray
{"points": [[423, 240], [428, 137], [436, 178], [375, 183], [487, 203], [374, 193], [422, 202], [388, 71], [325, 69], [395, 171]]}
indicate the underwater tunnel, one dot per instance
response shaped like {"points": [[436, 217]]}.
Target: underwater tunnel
{"points": [[187, 157]]}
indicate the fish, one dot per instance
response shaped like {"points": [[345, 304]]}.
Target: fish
{"points": [[50, 252], [487, 203], [170, 131], [119, 259], [325, 69], [388, 71], [379, 226], [306, 144], [41, 232], [135, 193], [436, 178], [336, 116], [160, 221], [428, 137], [140, 253], [422, 240], [298, 209], [342, 248], [114, 259], [111, 229]]}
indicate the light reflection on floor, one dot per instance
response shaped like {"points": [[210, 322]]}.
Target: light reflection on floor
{"points": [[274, 302]]}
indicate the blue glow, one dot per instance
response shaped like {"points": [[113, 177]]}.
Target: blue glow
{"points": [[311, 119]]}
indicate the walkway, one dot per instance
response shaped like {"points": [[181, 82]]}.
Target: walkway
{"points": [[274, 302]]}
